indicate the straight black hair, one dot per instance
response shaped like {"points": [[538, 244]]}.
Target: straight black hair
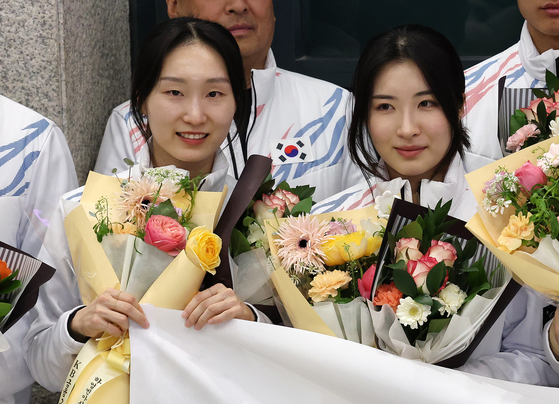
{"points": [[168, 36], [442, 69]]}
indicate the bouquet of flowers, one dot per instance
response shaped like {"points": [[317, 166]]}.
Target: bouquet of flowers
{"points": [[249, 242], [539, 120], [517, 218], [20, 278], [435, 284], [150, 236], [327, 261]]}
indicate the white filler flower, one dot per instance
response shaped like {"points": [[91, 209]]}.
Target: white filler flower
{"points": [[451, 298]]}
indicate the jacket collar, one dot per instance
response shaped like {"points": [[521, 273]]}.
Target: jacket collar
{"points": [[263, 80], [532, 61]]}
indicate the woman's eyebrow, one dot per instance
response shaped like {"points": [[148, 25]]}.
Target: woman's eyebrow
{"points": [[181, 80]]}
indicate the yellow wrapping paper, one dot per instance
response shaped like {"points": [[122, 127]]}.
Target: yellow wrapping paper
{"points": [[92, 379], [487, 229], [300, 312]]}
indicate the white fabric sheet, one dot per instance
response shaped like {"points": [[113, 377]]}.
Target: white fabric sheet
{"points": [[246, 362]]}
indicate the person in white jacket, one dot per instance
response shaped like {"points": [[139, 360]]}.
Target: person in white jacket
{"points": [[523, 65], [187, 87], [407, 134], [298, 121], [36, 168]]}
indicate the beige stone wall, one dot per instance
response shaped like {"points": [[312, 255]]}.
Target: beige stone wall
{"points": [[70, 61]]}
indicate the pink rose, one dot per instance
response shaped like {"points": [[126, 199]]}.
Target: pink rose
{"points": [[420, 269], [407, 249], [290, 198], [365, 285], [264, 209], [530, 177], [516, 141], [442, 251], [166, 234], [532, 111]]}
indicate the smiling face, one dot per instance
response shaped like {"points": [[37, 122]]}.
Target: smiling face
{"points": [[407, 125], [190, 109], [542, 17], [250, 21]]}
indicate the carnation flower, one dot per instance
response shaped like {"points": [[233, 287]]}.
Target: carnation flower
{"points": [[451, 298], [519, 228], [384, 202], [516, 141], [388, 294], [327, 284], [341, 226], [411, 313], [300, 241]]}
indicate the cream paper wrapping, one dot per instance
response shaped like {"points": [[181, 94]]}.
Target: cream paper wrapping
{"points": [[524, 267], [91, 379], [350, 321]]}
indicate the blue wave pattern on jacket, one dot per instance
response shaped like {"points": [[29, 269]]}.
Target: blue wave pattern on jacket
{"points": [[17, 185], [334, 137]]}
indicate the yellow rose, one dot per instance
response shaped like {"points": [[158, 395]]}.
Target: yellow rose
{"points": [[327, 284], [203, 248], [346, 247], [518, 229]]}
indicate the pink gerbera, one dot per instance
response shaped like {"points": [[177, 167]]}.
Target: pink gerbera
{"points": [[299, 243], [136, 198]]}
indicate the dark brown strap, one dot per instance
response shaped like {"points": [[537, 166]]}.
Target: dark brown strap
{"points": [[508, 294], [255, 171]]}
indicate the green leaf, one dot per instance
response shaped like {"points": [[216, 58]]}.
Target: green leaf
{"points": [[517, 121], [5, 309], [404, 283], [239, 243], [165, 208], [552, 82], [10, 287], [436, 277], [541, 112], [538, 92], [128, 162], [114, 170], [303, 206], [248, 220], [469, 250], [437, 325], [303, 191], [478, 290], [424, 299], [399, 265], [411, 230]]}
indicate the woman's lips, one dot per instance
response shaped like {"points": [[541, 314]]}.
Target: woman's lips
{"points": [[193, 138], [409, 151], [551, 9]]}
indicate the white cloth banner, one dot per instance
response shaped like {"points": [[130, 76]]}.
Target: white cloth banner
{"points": [[247, 362]]}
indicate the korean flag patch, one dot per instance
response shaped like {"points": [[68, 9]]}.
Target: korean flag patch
{"points": [[291, 151]]}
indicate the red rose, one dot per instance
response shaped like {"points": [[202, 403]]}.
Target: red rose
{"points": [[166, 234], [442, 251], [530, 176], [264, 209], [420, 269]]}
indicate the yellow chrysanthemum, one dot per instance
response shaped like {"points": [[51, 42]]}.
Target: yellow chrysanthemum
{"points": [[519, 228], [327, 284], [124, 228]]}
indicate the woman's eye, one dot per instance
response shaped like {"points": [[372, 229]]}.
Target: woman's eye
{"points": [[175, 93], [384, 107], [213, 94], [427, 103]]}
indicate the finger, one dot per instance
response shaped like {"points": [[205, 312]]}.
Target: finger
{"points": [[113, 330], [127, 305], [201, 297]]}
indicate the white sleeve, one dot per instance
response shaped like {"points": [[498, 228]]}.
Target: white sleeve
{"points": [[48, 347], [116, 145], [521, 358]]}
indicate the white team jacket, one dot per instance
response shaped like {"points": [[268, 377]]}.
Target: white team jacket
{"points": [[36, 168], [48, 347], [298, 121], [513, 349], [523, 67]]}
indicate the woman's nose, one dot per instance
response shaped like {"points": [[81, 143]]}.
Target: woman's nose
{"points": [[194, 113]]}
